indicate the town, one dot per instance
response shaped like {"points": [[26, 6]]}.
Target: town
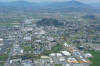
{"points": [[29, 44], [49, 33]]}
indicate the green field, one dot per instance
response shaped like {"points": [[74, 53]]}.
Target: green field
{"points": [[58, 64], [96, 58], [3, 57], [28, 48]]}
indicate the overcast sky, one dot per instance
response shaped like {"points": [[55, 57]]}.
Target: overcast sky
{"points": [[86, 1]]}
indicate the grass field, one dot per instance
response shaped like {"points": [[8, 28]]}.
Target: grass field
{"points": [[96, 58]]}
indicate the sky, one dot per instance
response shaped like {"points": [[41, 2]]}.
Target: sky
{"points": [[85, 1]]}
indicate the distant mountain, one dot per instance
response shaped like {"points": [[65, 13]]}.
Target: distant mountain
{"points": [[71, 6], [15, 3], [23, 6], [17, 7], [95, 5]]}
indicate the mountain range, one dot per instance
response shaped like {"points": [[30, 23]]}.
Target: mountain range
{"points": [[95, 5], [23, 6]]}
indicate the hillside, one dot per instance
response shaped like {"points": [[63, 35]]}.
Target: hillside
{"points": [[23, 6], [49, 22], [72, 6], [95, 5]]}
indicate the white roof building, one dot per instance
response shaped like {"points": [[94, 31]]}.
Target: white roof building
{"points": [[52, 54], [21, 51], [67, 45], [58, 54], [66, 53], [88, 55], [27, 38], [27, 65], [1, 39], [62, 59]]}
